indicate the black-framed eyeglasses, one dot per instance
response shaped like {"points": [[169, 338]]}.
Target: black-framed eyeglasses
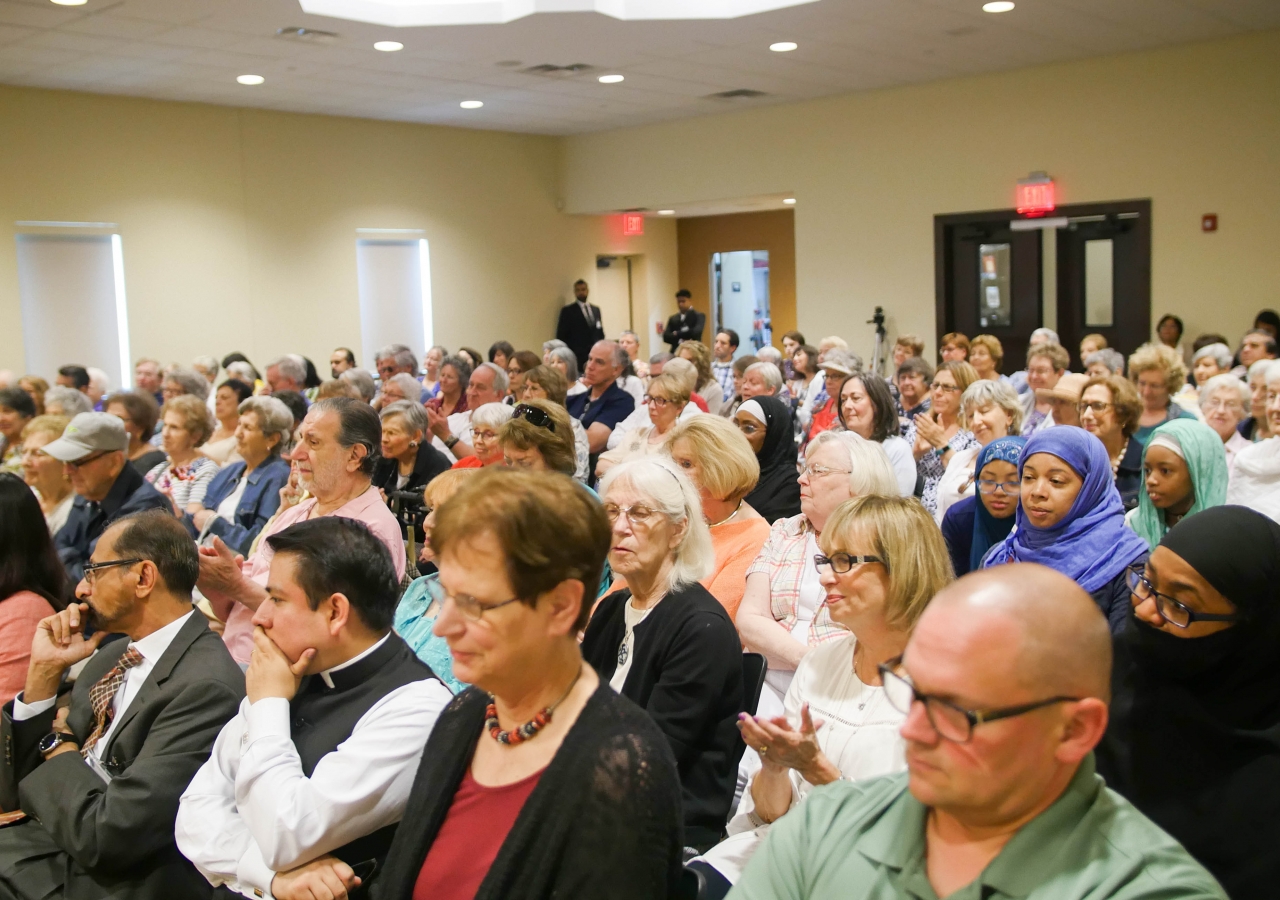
{"points": [[841, 562], [1097, 407], [1179, 615], [91, 570], [84, 461], [952, 722], [539, 418], [990, 486]]}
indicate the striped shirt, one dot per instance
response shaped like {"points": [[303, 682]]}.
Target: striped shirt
{"points": [[723, 373]]}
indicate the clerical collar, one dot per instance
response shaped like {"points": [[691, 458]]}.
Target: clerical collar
{"points": [[325, 675]]}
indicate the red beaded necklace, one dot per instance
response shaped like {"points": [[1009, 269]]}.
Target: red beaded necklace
{"points": [[529, 729]]}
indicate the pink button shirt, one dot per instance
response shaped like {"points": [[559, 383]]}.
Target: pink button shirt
{"points": [[368, 508]]}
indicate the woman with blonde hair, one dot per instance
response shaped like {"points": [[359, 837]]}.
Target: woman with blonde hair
{"points": [[882, 561], [665, 399], [707, 387], [719, 461], [664, 642], [1158, 373], [986, 355], [184, 476], [937, 435], [45, 475]]}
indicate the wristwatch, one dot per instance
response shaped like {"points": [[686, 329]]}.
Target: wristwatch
{"points": [[53, 740], [451, 441]]}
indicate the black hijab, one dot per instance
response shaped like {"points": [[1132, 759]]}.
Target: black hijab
{"points": [[777, 494], [1194, 739]]}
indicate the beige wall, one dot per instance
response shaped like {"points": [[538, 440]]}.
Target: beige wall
{"points": [[1195, 128], [239, 226]]}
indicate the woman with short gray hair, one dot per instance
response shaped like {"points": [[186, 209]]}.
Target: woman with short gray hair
{"points": [[565, 362], [244, 495], [988, 410], [65, 401], [486, 422], [408, 462], [400, 388], [1224, 402], [1104, 362]]}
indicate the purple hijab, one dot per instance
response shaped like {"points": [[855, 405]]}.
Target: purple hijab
{"points": [[1091, 545]]}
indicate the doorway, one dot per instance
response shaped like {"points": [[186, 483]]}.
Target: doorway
{"points": [[740, 298], [1084, 270]]}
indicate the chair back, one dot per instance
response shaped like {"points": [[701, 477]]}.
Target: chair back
{"points": [[754, 668]]}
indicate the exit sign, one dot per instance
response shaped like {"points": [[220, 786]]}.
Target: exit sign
{"points": [[632, 224], [1035, 195]]}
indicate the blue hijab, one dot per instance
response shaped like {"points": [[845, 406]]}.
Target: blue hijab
{"points": [[987, 529], [1091, 545]]}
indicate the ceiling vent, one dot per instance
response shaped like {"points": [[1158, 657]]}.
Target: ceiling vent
{"points": [[737, 94], [306, 35], [547, 70]]}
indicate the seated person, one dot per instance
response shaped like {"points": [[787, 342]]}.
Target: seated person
{"points": [[546, 383], [244, 495], [603, 405], [1000, 798], [408, 461], [140, 412], [452, 434], [308, 782], [540, 782], [102, 783], [664, 642], [484, 423], [107, 488]]}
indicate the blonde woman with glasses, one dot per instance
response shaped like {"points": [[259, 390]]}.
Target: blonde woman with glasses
{"points": [[938, 434], [666, 399]]}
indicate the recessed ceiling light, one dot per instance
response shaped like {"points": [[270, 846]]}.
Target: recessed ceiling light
{"points": [[250, 79], [997, 6], [611, 79], [790, 201], [471, 104], [71, 2], [388, 46], [783, 46], [666, 212]]}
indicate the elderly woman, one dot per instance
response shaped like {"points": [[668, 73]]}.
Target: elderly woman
{"points": [[180, 382], [1255, 474], [244, 495], [707, 387], [761, 379], [989, 410], [407, 462], [666, 399], [431, 369], [65, 402], [766, 423], [716, 457], [937, 435], [538, 437], [868, 410], [539, 781], [184, 476], [548, 383], [1209, 361], [1258, 426], [16, 410], [399, 388], [663, 641], [1224, 400], [1192, 739], [1046, 363], [455, 374], [740, 366], [782, 613], [419, 607], [1104, 362], [485, 424], [34, 387], [138, 411], [1071, 519], [563, 360], [986, 355], [45, 475], [1109, 408], [1158, 373], [221, 446], [1091, 344], [882, 561], [973, 525], [1186, 471]]}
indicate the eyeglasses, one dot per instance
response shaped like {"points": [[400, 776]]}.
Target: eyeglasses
{"points": [[1097, 407], [819, 471], [484, 435], [1212, 405], [1176, 614], [841, 562], [91, 570], [76, 464], [987, 486], [538, 418], [658, 402], [944, 388], [639, 516], [469, 606], [952, 722]]}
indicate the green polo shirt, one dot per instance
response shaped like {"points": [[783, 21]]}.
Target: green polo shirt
{"points": [[866, 841]]}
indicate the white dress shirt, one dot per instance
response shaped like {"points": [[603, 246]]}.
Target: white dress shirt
{"points": [[251, 812], [151, 648]]}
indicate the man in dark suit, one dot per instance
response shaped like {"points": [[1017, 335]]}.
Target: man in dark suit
{"points": [[580, 325], [101, 783], [685, 325]]}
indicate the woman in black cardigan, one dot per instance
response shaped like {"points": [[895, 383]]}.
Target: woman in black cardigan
{"points": [[539, 781], [408, 462], [665, 642]]}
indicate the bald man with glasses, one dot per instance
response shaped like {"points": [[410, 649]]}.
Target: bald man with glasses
{"points": [[1005, 685]]}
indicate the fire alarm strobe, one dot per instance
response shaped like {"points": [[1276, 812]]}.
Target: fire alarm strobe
{"points": [[1209, 222]]}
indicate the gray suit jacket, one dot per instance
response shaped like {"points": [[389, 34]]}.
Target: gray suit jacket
{"points": [[88, 839]]}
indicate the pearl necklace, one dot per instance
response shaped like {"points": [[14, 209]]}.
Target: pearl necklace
{"points": [[1115, 460]]}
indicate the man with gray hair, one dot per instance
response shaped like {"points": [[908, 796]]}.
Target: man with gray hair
{"points": [[1001, 797], [286, 373], [363, 381], [393, 359], [451, 435]]}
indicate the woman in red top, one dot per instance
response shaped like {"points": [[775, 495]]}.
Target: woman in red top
{"points": [[538, 781]]}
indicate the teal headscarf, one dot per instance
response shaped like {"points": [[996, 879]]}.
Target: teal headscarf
{"points": [[1206, 461]]}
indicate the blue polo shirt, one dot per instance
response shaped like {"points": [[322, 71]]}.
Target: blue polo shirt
{"points": [[614, 405]]}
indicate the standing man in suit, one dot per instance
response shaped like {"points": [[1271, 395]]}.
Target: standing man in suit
{"points": [[580, 325], [101, 784], [685, 325]]}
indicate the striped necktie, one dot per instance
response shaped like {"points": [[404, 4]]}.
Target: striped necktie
{"points": [[103, 693]]}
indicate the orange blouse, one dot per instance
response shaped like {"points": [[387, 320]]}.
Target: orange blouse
{"points": [[737, 545]]}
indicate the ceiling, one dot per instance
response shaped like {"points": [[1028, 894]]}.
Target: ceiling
{"points": [[192, 50]]}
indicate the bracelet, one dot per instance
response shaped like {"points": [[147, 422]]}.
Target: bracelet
{"points": [[451, 441]]}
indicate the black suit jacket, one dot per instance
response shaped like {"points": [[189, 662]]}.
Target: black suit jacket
{"points": [[89, 839], [129, 494], [579, 335], [684, 326]]}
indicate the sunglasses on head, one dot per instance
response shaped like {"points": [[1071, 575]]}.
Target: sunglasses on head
{"points": [[534, 416]]}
